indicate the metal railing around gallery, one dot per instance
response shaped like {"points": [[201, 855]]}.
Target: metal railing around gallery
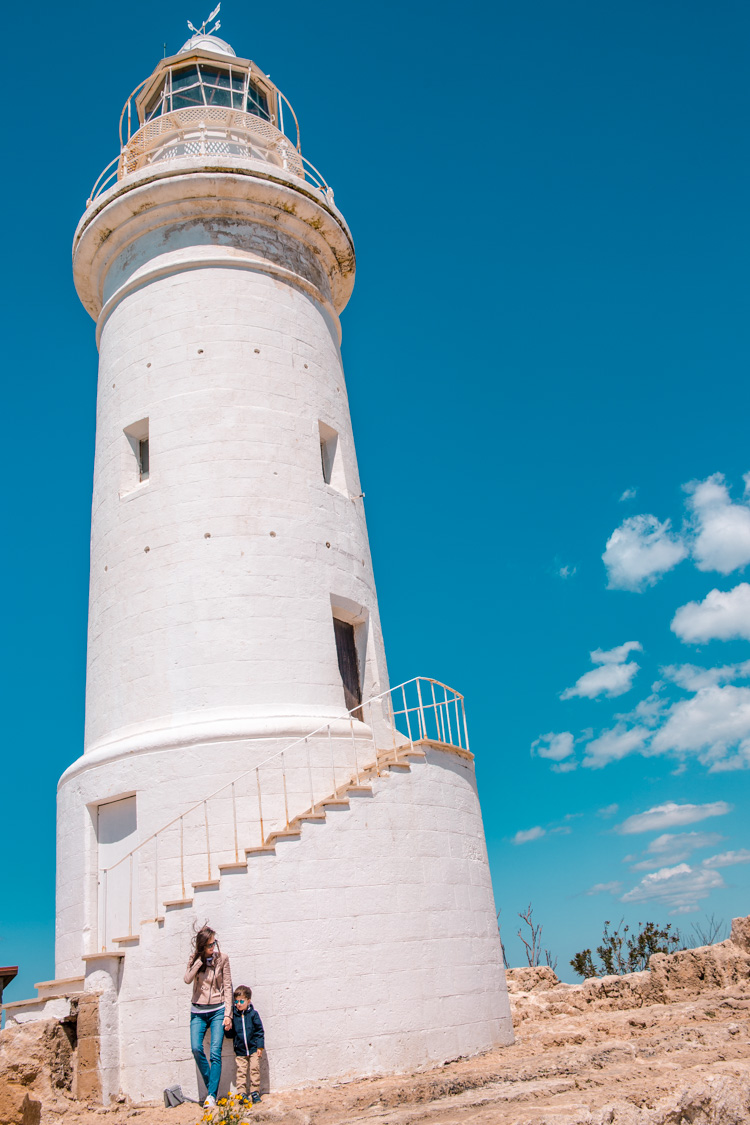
{"points": [[246, 815], [208, 132]]}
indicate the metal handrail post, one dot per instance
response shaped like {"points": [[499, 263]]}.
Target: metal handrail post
{"points": [[208, 841], [234, 814], [309, 776], [260, 808], [466, 729], [283, 781], [333, 763], [448, 717], [408, 720], [354, 748], [422, 728]]}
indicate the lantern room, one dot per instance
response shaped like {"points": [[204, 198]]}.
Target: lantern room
{"points": [[206, 103], [207, 74]]}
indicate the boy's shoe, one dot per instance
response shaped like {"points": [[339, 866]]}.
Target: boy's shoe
{"points": [[209, 1102], [255, 1096]]}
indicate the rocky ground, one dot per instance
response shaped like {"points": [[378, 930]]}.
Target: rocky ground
{"points": [[670, 1046]]}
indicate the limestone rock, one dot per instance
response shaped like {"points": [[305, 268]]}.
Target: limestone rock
{"points": [[36, 1069], [740, 935], [17, 1107], [537, 979]]}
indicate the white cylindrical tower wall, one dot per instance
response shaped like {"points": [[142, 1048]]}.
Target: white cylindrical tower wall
{"points": [[212, 581]]}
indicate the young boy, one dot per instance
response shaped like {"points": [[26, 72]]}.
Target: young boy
{"points": [[249, 1041]]}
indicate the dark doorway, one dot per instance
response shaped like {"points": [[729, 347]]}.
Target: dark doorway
{"points": [[346, 650]]}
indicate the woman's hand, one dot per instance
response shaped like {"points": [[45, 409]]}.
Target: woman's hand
{"points": [[260, 1052], [227, 1023]]}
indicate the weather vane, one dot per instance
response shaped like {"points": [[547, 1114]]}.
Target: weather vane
{"points": [[202, 29]]}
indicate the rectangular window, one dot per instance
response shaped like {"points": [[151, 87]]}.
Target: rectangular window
{"points": [[136, 457], [330, 458], [346, 651], [143, 458]]}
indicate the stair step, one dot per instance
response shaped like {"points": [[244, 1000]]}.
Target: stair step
{"points": [[203, 884], [359, 789], [61, 986], [179, 902], [266, 849], [239, 865], [333, 802], [135, 938], [309, 816], [284, 834]]}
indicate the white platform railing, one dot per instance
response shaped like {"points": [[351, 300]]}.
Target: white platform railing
{"points": [[246, 814], [208, 131]]}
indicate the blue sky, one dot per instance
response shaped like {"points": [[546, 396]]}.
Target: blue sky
{"points": [[548, 341]]}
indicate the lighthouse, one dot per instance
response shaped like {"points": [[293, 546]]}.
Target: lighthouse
{"points": [[246, 759]]}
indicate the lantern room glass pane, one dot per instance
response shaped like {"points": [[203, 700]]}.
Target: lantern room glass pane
{"points": [[214, 77], [257, 102], [187, 77], [216, 96], [186, 88]]}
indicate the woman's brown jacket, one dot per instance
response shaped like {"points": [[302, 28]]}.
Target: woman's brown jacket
{"points": [[212, 985]]}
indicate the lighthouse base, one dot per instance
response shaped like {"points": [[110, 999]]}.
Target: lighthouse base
{"points": [[370, 943]]}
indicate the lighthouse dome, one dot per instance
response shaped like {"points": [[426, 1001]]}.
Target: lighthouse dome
{"points": [[205, 42]]}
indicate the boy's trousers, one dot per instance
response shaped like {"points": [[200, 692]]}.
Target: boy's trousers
{"points": [[248, 1073]]}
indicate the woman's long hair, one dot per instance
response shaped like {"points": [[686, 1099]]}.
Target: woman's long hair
{"points": [[201, 938]]}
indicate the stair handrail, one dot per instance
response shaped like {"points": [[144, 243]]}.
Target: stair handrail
{"points": [[298, 741]]}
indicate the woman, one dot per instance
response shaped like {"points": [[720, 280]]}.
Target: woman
{"points": [[208, 972]]}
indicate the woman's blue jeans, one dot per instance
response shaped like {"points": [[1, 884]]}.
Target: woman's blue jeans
{"points": [[199, 1025]]}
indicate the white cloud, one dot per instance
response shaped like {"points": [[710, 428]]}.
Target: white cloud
{"points": [[727, 859], [680, 888], [669, 815], [608, 811], [722, 615], [714, 724], [553, 746], [613, 677], [564, 767], [673, 847], [616, 655], [693, 678], [566, 571], [630, 494], [639, 551], [610, 680], [722, 529], [602, 888], [528, 834], [647, 711], [614, 744]]}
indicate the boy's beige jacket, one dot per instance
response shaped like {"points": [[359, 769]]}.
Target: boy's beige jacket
{"points": [[214, 985]]}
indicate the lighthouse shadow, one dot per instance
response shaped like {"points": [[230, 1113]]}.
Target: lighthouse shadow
{"points": [[228, 1080], [265, 1074]]}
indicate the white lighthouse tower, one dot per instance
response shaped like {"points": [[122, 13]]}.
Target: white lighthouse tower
{"points": [[246, 760]]}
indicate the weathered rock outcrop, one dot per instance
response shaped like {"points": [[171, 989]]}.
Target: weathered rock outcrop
{"points": [[538, 993], [37, 1062]]}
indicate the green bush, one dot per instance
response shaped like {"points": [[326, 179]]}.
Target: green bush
{"points": [[620, 954]]}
